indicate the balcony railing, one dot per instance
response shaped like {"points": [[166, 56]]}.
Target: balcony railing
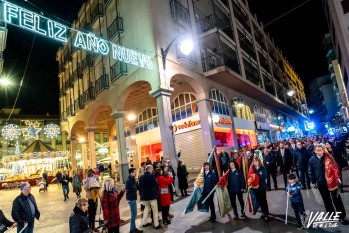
{"points": [[70, 111], [117, 70], [61, 68], [89, 94], [178, 11], [116, 28], [212, 62], [63, 116], [62, 92], [77, 74], [101, 84], [71, 82], [79, 103], [67, 58], [86, 62], [66, 85], [96, 12], [209, 22]]}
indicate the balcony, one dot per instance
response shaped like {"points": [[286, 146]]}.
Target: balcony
{"points": [[79, 103], [101, 84], [89, 94], [63, 116], [116, 28], [179, 12], [71, 82], [189, 59], [118, 70], [107, 3], [70, 111], [86, 62], [96, 13], [66, 85], [77, 74], [215, 22], [67, 58], [62, 92], [87, 27], [61, 68]]}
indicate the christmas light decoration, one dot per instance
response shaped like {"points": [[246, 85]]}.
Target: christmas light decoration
{"points": [[31, 131], [11, 132], [51, 131]]}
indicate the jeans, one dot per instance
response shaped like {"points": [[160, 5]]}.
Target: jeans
{"points": [[302, 175], [133, 208], [28, 229], [65, 189], [153, 204], [298, 208]]}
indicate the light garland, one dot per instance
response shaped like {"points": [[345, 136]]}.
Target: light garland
{"points": [[31, 131], [52, 131], [11, 132]]}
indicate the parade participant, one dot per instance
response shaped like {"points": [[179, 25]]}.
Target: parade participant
{"points": [[78, 220], [270, 165], [244, 162], [284, 160], [301, 157], [324, 175], [236, 187], [339, 159], [182, 174], [260, 190], [77, 183], [92, 192], [25, 210], [164, 193], [5, 223], [149, 193], [131, 198], [210, 180], [293, 191], [110, 201]]}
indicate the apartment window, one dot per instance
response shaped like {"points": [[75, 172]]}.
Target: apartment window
{"points": [[183, 106], [219, 102], [260, 114], [345, 6], [147, 120]]}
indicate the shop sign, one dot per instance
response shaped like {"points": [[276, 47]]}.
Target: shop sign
{"points": [[222, 121], [44, 26], [186, 125]]}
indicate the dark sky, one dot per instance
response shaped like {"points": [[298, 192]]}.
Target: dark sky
{"points": [[298, 34]]}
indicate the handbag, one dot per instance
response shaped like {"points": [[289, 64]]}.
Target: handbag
{"points": [[164, 190], [94, 184]]}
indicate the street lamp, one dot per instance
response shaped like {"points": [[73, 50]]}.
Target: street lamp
{"points": [[5, 82], [311, 111], [290, 93], [186, 46], [131, 117]]}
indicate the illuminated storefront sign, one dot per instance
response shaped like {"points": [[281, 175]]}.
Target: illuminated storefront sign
{"points": [[37, 23], [223, 121], [187, 124]]}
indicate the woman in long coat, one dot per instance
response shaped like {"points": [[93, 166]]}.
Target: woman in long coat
{"points": [[182, 174], [164, 193]]}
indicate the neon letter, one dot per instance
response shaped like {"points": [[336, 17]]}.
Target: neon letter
{"points": [[26, 19], [61, 32], [50, 28], [117, 52], [92, 43], [103, 47], [80, 40], [126, 55], [37, 25], [134, 58], [10, 11]]}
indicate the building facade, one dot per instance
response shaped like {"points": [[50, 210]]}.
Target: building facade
{"points": [[3, 38], [229, 92]]}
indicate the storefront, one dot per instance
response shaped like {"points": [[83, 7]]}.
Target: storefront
{"points": [[149, 145], [222, 126], [263, 132], [245, 132]]}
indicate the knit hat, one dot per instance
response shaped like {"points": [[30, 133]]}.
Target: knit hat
{"points": [[23, 186]]}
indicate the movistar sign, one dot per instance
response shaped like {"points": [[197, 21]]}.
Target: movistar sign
{"points": [[37, 23]]}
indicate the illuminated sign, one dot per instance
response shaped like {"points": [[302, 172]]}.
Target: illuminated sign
{"points": [[222, 121], [187, 124], [309, 125], [37, 23]]}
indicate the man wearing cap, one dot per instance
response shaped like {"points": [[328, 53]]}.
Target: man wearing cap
{"points": [[25, 210]]}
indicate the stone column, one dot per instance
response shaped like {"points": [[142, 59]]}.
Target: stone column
{"points": [[206, 123], [112, 159], [136, 160], [120, 132], [101, 138], [53, 143], [73, 152], [162, 96], [84, 156], [92, 146], [64, 141]]}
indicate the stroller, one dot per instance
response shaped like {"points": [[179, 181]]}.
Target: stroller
{"points": [[42, 186]]}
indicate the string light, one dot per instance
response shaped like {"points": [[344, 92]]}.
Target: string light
{"points": [[11, 131], [52, 131]]}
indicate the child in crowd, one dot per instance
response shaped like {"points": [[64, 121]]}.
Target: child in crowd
{"points": [[294, 193]]}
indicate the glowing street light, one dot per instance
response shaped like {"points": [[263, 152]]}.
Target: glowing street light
{"points": [[311, 111], [290, 93], [131, 117], [82, 140], [5, 82]]}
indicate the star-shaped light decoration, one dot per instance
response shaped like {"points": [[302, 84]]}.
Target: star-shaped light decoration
{"points": [[52, 131], [11, 132], [30, 132]]}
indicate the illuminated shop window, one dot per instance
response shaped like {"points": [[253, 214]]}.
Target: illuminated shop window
{"points": [[219, 103], [147, 120], [242, 110], [260, 114], [183, 106], [273, 118]]}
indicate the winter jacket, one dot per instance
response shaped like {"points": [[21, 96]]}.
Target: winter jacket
{"points": [[262, 173], [21, 211], [64, 180], [295, 191], [5, 221], [317, 171], [110, 204], [78, 221], [149, 187], [236, 181], [285, 162], [270, 159], [210, 181], [164, 191], [301, 158], [131, 188]]}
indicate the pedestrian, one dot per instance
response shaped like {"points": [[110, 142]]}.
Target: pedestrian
{"points": [[244, 162], [91, 185], [210, 181], [261, 190], [141, 169], [45, 176], [149, 193], [284, 160], [164, 193], [172, 185], [131, 198], [65, 185], [324, 175], [78, 220], [110, 202], [339, 159], [293, 191], [5, 223], [269, 163], [77, 183], [236, 187], [25, 210], [147, 161], [182, 175], [58, 177], [301, 157], [117, 170]]}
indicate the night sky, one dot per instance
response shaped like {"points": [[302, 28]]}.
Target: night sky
{"points": [[298, 34]]}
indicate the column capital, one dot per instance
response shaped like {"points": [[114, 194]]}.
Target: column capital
{"points": [[118, 114], [73, 138], [166, 91], [91, 129]]}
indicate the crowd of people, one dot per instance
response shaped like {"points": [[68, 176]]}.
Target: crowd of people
{"points": [[303, 163]]}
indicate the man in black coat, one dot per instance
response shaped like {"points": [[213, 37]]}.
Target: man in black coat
{"points": [[25, 210], [270, 165], [44, 175], [210, 181], [65, 185], [236, 187], [301, 157], [284, 160]]}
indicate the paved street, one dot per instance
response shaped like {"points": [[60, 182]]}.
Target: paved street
{"points": [[55, 213]]}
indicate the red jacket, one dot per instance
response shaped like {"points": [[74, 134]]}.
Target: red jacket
{"points": [[163, 191], [110, 205]]}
